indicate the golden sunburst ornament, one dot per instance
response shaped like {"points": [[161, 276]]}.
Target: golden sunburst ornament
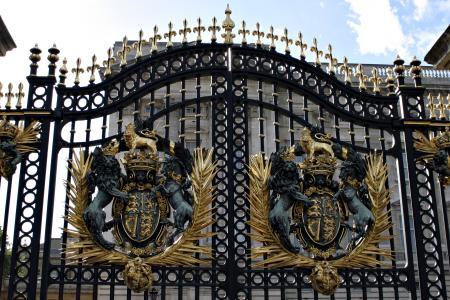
{"points": [[434, 153], [324, 276], [15, 142]]}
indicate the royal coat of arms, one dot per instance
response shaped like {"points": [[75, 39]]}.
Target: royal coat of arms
{"points": [[158, 199], [15, 142], [306, 218]]}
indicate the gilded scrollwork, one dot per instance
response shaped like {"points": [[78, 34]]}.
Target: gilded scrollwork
{"points": [[305, 218]]}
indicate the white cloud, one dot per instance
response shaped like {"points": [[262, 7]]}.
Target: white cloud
{"points": [[377, 27], [424, 40], [420, 9]]}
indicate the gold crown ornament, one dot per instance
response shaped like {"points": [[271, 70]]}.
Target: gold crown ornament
{"points": [[140, 160]]}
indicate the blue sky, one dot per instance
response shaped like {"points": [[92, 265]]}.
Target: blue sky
{"points": [[366, 31]]}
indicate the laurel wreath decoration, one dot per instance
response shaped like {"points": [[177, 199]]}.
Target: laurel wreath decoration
{"points": [[429, 147], [26, 137], [366, 254], [182, 252]]}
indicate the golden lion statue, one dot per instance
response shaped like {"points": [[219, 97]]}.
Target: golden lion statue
{"points": [[135, 141], [321, 143]]}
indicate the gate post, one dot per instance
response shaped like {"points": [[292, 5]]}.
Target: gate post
{"points": [[421, 182], [23, 281]]}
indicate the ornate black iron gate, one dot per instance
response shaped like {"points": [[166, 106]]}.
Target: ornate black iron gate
{"points": [[244, 99]]}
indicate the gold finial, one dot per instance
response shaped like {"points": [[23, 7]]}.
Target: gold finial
{"points": [[213, 29], [169, 35], [244, 33], [20, 96], [9, 96], [108, 62], [139, 44], [303, 46], [361, 77], [228, 26], [390, 80], [332, 62], [185, 31], [123, 53], [448, 101], [287, 41], [77, 71], [154, 39], [376, 80], [1, 94], [345, 68], [259, 34], [93, 68], [316, 50], [199, 28], [431, 106], [441, 107], [271, 35], [63, 70]]}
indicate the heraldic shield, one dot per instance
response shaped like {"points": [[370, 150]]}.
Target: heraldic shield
{"points": [[305, 218], [160, 198]]}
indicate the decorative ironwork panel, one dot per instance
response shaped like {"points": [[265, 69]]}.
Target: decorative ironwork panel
{"points": [[241, 100]]}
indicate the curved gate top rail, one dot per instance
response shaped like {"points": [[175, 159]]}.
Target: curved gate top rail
{"points": [[132, 71], [143, 66], [148, 64]]}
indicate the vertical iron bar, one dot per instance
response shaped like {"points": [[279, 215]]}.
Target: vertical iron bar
{"points": [[197, 111], [276, 123]]}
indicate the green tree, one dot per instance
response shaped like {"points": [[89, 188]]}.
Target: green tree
{"points": [[7, 257]]}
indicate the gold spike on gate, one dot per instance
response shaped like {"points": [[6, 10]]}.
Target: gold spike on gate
{"points": [[228, 26], [139, 45], [259, 34], [314, 48], [9, 96], [154, 39], [441, 106], [243, 31], [199, 29], [361, 77], [19, 96], [431, 106], [332, 61], [92, 68], [77, 70], [448, 102], [376, 80], [123, 53], [273, 37], [303, 46], [213, 29], [285, 38], [168, 35], [108, 62], [185, 31]]}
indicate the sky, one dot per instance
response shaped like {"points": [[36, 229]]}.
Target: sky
{"points": [[366, 31]]}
